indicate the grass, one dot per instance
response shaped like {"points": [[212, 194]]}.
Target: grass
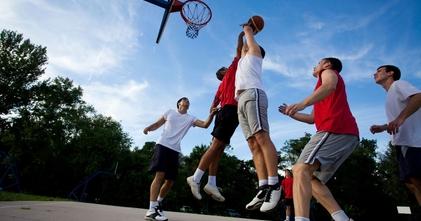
{"points": [[9, 196]]}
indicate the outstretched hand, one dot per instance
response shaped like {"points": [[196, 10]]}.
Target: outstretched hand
{"points": [[145, 131], [393, 126], [283, 108], [294, 108], [378, 128]]}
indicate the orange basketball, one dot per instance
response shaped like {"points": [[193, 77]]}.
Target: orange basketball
{"points": [[257, 23]]}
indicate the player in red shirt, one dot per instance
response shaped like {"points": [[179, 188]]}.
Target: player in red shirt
{"points": [[226, 122], [336, 138], [286, 184]]}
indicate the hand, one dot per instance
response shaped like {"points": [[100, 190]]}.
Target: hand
{"points": [[247, 28], [393, 126], [378, 128], [283, 108], [145, 131], [294, 108]]}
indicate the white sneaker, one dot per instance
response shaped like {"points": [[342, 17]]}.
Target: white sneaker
{"points": [[213, 191], [194, 187], [271, 199], [155, 214], [257, 201]]}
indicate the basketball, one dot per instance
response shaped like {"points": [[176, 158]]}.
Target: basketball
{"points": [[257, 23]]}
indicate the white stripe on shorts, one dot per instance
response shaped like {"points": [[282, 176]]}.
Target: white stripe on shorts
{"points": [[319, 144], [258, 109]]}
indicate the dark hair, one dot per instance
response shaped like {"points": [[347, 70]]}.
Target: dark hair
{"points": [[262, 51], [335, 63], [179, 100], [219, 73], [396, 71]]}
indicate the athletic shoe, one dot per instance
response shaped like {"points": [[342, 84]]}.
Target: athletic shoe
{"points": [[194, 187], [272, 198], [213, 191], [155, 214], [257, 201]]}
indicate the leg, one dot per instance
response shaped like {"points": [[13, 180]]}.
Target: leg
{"points": [[156, 185], [269, 152], [211, 157], [258, 158], [323, 195], [302, 188], [414, 185], [165, 188]]}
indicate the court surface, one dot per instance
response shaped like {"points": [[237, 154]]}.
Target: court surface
{"points": [[76, 211]]}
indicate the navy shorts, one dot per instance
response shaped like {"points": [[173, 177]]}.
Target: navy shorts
{"points": [[165, 160], [409, 162], [226, 121]]}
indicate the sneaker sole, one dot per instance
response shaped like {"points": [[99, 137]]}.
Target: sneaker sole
{"points": [[213, 196], [152, 219], [255, 206]]}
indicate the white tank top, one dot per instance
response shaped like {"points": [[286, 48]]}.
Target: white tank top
{"points": [[249, 73]]}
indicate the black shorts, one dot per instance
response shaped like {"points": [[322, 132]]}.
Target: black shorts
{"points": [[165, 160], [409, 162], [289, 201], [226, 121]]}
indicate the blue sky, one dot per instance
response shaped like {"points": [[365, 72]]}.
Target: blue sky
{"points": [[108, 47]]}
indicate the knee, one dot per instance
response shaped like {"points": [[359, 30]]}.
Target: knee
{"points": [[301, 170]]}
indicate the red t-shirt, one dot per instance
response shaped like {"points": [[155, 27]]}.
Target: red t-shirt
{"points": [[332, 114], [287, 187], [226, 90]]}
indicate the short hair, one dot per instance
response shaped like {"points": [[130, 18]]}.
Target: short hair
{"points": [[219, 73], [396, 71], [262, 51], [335, 63], [181, 99]]}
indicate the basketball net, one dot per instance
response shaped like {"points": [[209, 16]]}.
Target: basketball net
{"points": [[196, 14]]}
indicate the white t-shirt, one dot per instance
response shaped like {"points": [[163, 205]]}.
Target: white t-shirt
{"points": [[175, 128], [397, 99], [249, 73]]}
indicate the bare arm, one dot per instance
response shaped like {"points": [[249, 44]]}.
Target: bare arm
{"points": [[155, 125], [414, 104], [253, 47], [207, 122], [306, 118], [329, 81], [240, 44]]}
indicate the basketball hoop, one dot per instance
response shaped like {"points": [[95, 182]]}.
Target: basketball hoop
{"points": [[196, 14]]}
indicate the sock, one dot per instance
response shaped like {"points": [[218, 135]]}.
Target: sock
{"points": [[160, 199], [339, 216], [212, 180], [153, 204], [263, 182], [273, 180], [299, 218], [287, 218], [197, 176]]}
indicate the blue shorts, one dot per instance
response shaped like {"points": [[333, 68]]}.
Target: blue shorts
{"points": [[409, 162]]}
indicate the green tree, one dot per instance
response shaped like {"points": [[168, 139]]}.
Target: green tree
{"points": [[21, 63]]}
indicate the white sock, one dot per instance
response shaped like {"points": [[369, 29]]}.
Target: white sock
{"points": [[287, 218], [339, 216], [212, 180], [263, 182], [273, 180], [160, 199], [299, 218], [153, 204], [197, 176]]}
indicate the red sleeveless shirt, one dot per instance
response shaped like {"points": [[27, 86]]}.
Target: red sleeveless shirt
{"points": [[332, 114]]}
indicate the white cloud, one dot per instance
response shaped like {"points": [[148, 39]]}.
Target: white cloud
{"points": [[76, 40]]}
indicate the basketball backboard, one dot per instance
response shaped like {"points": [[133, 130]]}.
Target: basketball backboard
{"points": [[169, 6]]}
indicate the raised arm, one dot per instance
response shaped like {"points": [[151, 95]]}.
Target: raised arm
{"points": [[253, 47], [155, 125], [240, 44], [207, 122], [414, 104], [329, 82]]}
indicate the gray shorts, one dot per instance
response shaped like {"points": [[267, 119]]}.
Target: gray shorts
{"points": [[331, 150], [252, 112]]}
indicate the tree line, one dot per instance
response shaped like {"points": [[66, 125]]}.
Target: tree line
{"points": [[60, 146]]}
